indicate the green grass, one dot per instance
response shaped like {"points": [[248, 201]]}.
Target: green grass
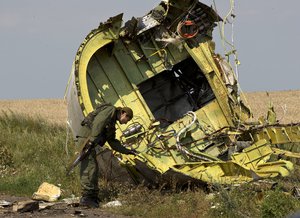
{"points": [[278, 204], [32, 151], [142, 202], [272, 198]]}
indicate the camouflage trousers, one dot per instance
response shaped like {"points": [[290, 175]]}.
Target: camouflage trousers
{"points": [[89, 176]]}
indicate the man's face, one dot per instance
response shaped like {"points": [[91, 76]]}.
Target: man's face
{"points": [[124, 118]]}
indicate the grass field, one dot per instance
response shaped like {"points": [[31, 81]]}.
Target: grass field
{"points": [[32, 140], [286, 104], [52, 110]]}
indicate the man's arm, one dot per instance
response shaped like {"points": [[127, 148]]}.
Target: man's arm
{"points": [[116, 145]]}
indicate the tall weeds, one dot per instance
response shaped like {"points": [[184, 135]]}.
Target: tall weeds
{"points": [[32, 151]]}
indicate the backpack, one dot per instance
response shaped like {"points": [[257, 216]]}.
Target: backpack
{"points": [[88, 120]]}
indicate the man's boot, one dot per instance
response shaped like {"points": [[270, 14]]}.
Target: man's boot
{"points": [[91, 202]]}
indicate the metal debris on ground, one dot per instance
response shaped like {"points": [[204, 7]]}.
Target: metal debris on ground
{"points": [[113, 204], [47, 192], [71, 201], [45, 205], [4, 203], [79, 213], [26, 206]]}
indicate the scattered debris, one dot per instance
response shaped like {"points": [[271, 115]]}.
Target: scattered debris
{"points": [[4, 203], [112, 204], [14, 206], [165, 67], [45, 205], [71, 201], [26, 206], [210, 196], [47, 192], [215, 206], [79, 213]]}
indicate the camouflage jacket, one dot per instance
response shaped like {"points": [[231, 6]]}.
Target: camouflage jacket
{"points": [[101, 127]]}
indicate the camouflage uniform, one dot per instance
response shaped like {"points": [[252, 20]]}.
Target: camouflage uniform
{"points": [[100, 126]]}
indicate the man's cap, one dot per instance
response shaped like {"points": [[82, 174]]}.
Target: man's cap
{"points": [[128, 111]]}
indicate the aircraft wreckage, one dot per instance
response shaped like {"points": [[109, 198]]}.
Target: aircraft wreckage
{"points": [[189, 124]]}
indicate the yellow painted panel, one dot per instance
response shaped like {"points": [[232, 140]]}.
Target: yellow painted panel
{"points": [[91, 47]]}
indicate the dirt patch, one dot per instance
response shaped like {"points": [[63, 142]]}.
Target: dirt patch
{"points": [[59, 209]]}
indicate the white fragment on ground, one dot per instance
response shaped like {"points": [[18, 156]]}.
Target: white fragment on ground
{"points": [[45, 205], [73, 200], [113, 204], [210, 196], [4, 203]]}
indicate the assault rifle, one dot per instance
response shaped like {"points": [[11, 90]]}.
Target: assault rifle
{"points": [[87, 147]]}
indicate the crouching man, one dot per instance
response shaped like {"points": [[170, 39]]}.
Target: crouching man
{"points": [[99, 125]]}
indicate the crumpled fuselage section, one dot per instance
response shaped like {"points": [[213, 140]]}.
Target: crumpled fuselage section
{"points": [[190, 122]]}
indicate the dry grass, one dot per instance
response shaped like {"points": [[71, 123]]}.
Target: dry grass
{"points": [[286, 105], [53, 110], [26, 152]]}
